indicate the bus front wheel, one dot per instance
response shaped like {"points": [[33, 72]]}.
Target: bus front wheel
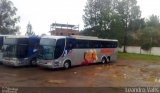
{"points": [[67, 64], [33, 62]]}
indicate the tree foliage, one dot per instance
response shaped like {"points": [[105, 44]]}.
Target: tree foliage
{"points": [[29, 31], [112, 19], [153, 21], [121, 19], [8, 18]]}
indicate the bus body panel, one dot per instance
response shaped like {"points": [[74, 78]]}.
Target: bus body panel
{"points": [[76, 56], [15, 62]]}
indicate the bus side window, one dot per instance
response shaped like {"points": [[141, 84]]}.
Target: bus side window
{"points": [[76, 44], [115, 44], [93, 44], [99, 44], [86, 44], [59, 48], [70, 44], [109, 44], [102, 44], [79, 44], [96, 44]]}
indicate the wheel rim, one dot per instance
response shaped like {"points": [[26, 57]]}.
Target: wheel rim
{"points": [[66, 65], [107, 60], [33, 62], [103, 61]]}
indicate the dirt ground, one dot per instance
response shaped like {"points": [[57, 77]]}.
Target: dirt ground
{"points": [[122, 73]]}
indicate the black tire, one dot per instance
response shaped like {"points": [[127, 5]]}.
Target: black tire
{"points": [[67, 64], [104, 60], [33, 62], [108, 59]]}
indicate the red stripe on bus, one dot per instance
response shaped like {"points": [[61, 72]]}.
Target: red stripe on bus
{"points": [[106, 50]]}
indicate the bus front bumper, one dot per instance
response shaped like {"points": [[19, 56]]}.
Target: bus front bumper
{"points": [[15, 62], [49, 64]]}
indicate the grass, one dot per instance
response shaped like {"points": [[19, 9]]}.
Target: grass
{"points": [[138, 56]]}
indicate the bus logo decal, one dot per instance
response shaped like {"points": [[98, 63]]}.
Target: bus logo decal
{"points": [[90, 56]]}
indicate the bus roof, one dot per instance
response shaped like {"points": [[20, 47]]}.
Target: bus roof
{"points": [[54, 37], [21, 36], [80, 37], [6, 35], [17, 36], [91, 38]]}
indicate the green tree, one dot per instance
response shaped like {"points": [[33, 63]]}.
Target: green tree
{"points": [[146, 38], [112, 19], [128, 11], [8, 18], [153, 21], [98, 14], [116, 30]]}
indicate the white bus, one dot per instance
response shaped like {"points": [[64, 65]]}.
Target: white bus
{"points": [[20, 50], [67, 51]]}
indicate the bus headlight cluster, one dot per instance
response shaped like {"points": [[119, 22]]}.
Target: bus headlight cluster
{"points": [[14, 60], [49, 63], [56, 63]]}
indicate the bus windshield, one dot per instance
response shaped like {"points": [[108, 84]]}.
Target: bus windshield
{"points": [[14, 49], [9, 51], [17, 51], [47, 48]]}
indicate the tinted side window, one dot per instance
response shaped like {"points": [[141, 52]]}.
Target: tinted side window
{"points": [[93, 44], [115, 44], [70, 43], [110, 44], [82, 44], [59, 48]]}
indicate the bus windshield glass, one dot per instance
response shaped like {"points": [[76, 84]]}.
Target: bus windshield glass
{"points": [[9, 50], [47, 48], [13, 49]]}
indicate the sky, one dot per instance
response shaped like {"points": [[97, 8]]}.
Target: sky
{"points": [[42, 13]]}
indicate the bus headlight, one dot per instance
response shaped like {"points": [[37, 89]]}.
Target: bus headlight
{"points": [[14, 60], [49, 63], [56, 63], [38, 61]]}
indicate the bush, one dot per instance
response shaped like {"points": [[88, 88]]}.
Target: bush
{"points": [[146, 46]]}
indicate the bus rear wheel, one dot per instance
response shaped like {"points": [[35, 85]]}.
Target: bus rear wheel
{"points": [[105, 60], [67, 64]]}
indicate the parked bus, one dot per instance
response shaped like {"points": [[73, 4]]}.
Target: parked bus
{"points": [[67, 51], [20, 50]]}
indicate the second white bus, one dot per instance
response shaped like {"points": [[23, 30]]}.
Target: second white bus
{"points": [[67, 51]]}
